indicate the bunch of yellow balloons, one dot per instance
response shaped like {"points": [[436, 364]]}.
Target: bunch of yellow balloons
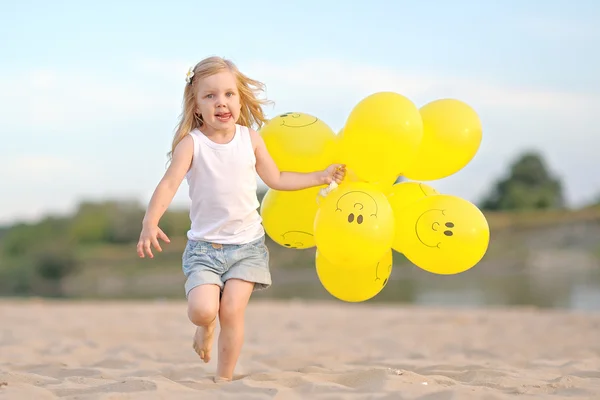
{"points": [[356, 225]]}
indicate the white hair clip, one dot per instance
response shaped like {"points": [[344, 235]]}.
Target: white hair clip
{"points": [[189, 75]]}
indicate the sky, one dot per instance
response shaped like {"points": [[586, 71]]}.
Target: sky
{"points": [[90, 92]]}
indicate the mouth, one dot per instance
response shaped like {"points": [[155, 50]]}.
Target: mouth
{"points": [[434, 227], [223, 117], [283, 121]]}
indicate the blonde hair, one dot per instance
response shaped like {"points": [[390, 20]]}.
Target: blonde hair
{"points": [[251, 114]]}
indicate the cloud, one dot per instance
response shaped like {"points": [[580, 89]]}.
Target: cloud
{"points": [[62, 99], [41, 183], [330, 88], [560, 28], [46, 100], [65, 100], [328, 81], [172, 70], [514, 117], [40, 168]]}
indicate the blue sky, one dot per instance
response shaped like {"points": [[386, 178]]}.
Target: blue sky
{"points": [[90, 91]]}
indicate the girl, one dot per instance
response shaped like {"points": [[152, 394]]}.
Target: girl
{"points": [[218, 152]]}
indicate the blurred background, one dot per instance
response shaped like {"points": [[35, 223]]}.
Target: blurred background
{"points": [[90, 94]]}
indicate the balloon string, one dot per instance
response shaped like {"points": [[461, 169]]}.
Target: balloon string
{"points": [[326, 190]]}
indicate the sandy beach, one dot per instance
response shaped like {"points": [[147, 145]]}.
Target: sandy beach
{"points": [[296, 350]]}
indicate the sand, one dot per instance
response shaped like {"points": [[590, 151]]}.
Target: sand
{"points": [[298, 350]]}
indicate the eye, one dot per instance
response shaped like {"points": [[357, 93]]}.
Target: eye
{"points": [[448, 233], [449, 224], [359, 219], [350, 217]]}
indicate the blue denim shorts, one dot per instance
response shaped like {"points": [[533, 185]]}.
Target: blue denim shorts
{"points": [[208, 263]]}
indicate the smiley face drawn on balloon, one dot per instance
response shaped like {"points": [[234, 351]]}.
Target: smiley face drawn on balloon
{"points": [[354, 224], [359, 205], [297, 239], [297, 120], [433, 227], [443, 234], [403, 194], [299, 142], [288, 217], [377, 278]]}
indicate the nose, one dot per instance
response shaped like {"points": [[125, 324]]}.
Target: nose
{"points": [[221, 101]]}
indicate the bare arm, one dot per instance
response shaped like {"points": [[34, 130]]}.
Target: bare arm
{"points": [[163, 195], [287, 180]]}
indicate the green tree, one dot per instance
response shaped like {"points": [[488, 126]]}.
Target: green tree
{"points": [[528, 186], [55, 261], [21, 238], [108, 222], [51, 264], [3, 231]]}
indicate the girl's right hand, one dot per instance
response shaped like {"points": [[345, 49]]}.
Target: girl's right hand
{"points": [[150, 235]]}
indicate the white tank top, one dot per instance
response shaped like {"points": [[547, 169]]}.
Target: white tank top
{"points": [[222, 188]]}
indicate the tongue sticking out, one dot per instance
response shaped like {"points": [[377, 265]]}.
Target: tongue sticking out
{"points": [[223, 116]]}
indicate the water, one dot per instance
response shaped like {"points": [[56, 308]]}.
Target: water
{"points": [[565, 289]]}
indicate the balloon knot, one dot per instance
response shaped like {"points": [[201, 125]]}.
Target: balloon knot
{"points": [[326, 190]]}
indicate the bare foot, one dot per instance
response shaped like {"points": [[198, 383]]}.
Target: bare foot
{"points": [[203, 340], [220, 379]]}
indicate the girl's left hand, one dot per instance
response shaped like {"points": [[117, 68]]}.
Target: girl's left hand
{"points": [[335, 172]]}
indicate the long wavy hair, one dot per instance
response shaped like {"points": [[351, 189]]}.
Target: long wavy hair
{"points": [[251, 114]]}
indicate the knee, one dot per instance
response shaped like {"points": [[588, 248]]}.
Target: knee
{"points": [[231, 313], [201, 314]]}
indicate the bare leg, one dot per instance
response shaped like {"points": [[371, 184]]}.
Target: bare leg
{"points": [[236, 295], [203, 305]]}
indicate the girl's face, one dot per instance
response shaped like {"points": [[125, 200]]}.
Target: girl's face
{"points": [[218, 101]]}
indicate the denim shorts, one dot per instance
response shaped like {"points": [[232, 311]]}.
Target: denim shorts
{"points": [[209, 263]]}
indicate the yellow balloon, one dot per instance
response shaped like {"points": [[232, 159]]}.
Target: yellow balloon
{"points": [[299, 142], [452, 136], [354, 224], [403, 194], [384, 184], [381, 136], [288, 217], [442, 234], [354, 282]]}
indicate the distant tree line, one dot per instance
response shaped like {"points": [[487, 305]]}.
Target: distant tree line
{"points": [[529, 185], [35, 257]]}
